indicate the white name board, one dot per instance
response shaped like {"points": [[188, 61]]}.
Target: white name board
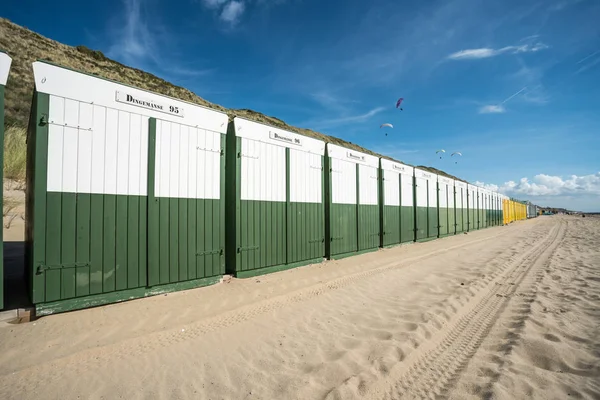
{"points": [[355, 156], [135, 100], [285, 138], [397, 167]]}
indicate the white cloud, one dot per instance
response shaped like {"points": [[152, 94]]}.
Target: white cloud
{"points": [[489, 186], [361, 117], [589, 65], [487, 52], [232, 12], [549, 185], [492, 109], [563, 4], [321, 124], [134, 40], [213, 4], [473, 53], [573, 192], [331, 101], [139, 39]]}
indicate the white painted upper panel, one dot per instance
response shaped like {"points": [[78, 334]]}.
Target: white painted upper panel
{"points": [[389, 165], [391, 188], [433, 200], [419, 173], [421, 191], [94, 149], [445, 191], [471, 196], [342, 153], [460, 184], [451, 196], [5, 62], [264, 133], [73, 85], [461, 196], [262, 171], [407, 190], [188, 162], [343, 182], [306, 177], [368, 185], [445, 180]]}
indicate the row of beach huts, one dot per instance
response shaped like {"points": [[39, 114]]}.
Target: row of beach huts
{"points": [[131, 193]]}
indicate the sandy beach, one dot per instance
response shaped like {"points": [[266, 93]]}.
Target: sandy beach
{"points": [[503, 313]]}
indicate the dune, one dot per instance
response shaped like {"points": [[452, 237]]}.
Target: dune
{"points": [[508, 312]]}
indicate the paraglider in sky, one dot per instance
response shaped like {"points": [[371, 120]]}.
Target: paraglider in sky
{"points": [[456, 152], [386, 124], [399, 102], [440, 151]]}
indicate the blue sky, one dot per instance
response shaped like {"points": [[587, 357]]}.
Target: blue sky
{"points": [[513, 85]]}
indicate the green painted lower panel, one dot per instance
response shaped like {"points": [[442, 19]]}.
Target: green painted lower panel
{"points": [[119, 296], [433, 222], [344, 229], [262, 235], [94, 244], [398, 225], [451, 221], [444, 223], [391, 225], [188, 242], [306, 232], [480, 220], [368, 227], [421, 222], [472, 223], [459, 220], [407, 227]]}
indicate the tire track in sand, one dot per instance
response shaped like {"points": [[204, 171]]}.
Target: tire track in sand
{"points": [[99, 357], [432, 370]]}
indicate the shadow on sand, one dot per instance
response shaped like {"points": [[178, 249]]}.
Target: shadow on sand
{"points": [[15, 287]]}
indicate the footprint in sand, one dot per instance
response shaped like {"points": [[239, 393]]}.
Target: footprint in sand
{"points": [[551, 337]]}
